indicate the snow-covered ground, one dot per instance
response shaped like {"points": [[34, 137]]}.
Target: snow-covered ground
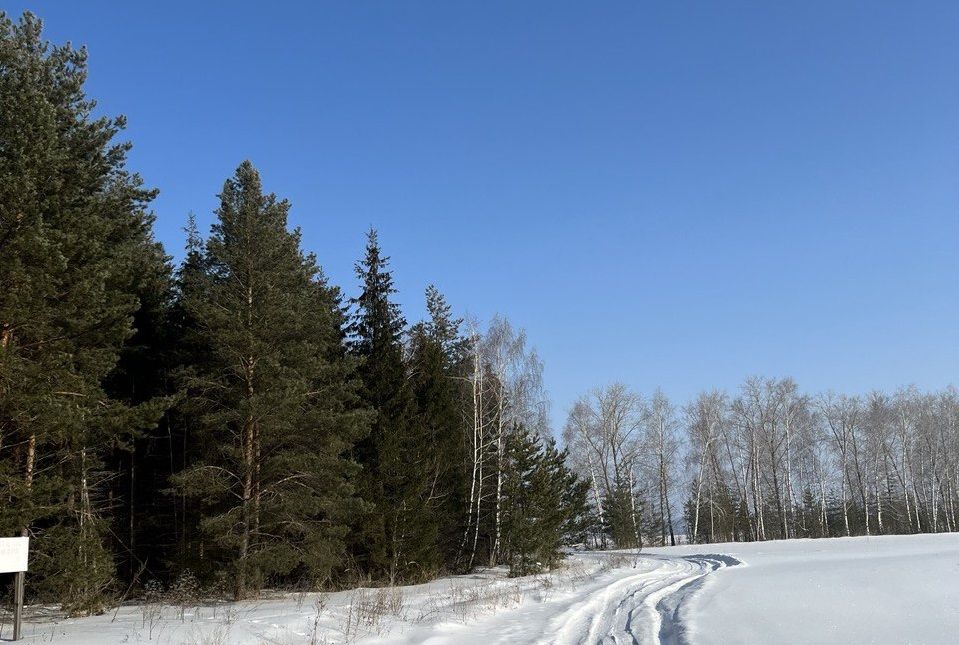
{"points": [[891, 589], [897, 589]]}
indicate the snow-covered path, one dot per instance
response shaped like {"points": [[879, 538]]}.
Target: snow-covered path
{"points": [[642, 607], [638, 603]]}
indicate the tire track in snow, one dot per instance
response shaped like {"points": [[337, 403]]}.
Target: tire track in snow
{"points": [[639, 609], [672, 631]]}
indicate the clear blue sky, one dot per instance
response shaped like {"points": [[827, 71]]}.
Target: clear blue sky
{"points": [[674, 194]]}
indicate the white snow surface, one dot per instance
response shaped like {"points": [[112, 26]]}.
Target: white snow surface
{"points": [[894, 589], [889, 589]]}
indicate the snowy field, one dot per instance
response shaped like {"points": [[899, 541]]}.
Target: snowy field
{"points": [[891, 589], [897, 589]]}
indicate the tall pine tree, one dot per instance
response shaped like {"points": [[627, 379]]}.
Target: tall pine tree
{"points": [[273, 396], [73, 232]]}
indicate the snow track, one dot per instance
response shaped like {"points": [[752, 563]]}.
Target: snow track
{"points": [[641, 608]]}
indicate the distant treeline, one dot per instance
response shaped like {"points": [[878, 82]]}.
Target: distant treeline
{"points": [[236, 420], [767, 463]]}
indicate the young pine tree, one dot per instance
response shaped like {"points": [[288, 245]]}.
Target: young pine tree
{"points": [[273, 397], [74, 230]]}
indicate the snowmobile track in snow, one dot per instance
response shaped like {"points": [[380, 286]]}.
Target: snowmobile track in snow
{"points": [[671, 628], [644, 608]]}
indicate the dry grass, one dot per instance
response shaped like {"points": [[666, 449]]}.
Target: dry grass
{"points": [[368, 608]]}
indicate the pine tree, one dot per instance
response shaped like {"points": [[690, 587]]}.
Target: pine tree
{"points": [[73, 231], [399, 535], [273, 397]]}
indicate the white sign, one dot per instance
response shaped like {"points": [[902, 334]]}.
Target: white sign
{"points": [[13, 554]]}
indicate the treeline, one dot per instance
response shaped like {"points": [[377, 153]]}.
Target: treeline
{"points": [[768, 463], [237, 418]]}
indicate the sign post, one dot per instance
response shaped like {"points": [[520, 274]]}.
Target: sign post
{"points": [[13, 559]]}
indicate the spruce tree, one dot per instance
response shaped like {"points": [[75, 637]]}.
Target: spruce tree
{"points": [[623, 514], [437, 365], [544, 503], [523, 502], [141, 517], [273, 398], [189, 354], [398, 538], [579, 521], [74, 228]]}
